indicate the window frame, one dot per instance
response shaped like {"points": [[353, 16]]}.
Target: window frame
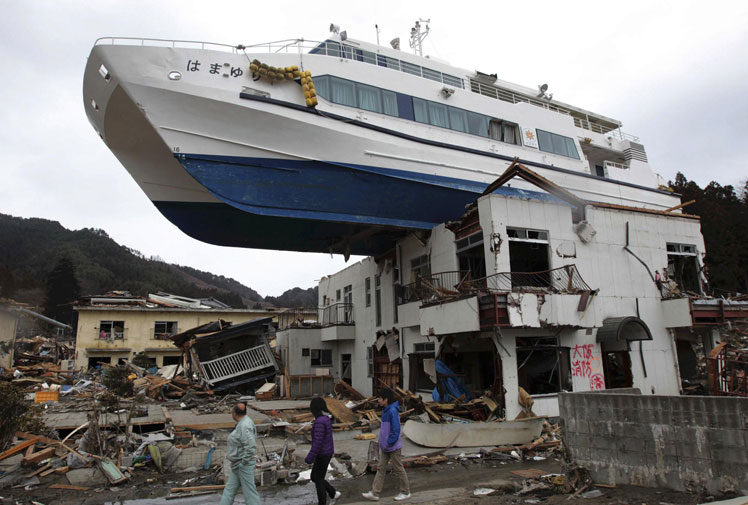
{"points": [[563, 358], [568, 142]]}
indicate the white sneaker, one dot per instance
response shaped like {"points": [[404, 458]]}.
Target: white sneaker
{"points": [[334, 498], [371, 496], [402, 497]]}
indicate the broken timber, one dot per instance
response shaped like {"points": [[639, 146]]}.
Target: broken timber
{"points": [[473, 434]]}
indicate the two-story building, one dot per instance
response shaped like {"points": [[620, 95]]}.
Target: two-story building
{"points": [[113, 328], [533, 288]]}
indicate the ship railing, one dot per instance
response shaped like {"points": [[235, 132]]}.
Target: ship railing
{"points": [[503, 94]]}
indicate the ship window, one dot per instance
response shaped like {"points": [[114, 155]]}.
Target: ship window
{"points": [[409, 68], [367, 57], [421, 110], [557, 144], [452, 80], [343, 91], [477, 124], [389, 99], [432, 74], [347, 52], [369, 98], [503, 131], [438, 115], [333, 48], [458, 119], [322, 85]]}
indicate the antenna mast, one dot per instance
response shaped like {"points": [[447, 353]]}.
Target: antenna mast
{"points": [[377, 28], [417, 36]]}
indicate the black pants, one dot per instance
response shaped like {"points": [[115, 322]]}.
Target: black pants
{"points": [[319, 469]]}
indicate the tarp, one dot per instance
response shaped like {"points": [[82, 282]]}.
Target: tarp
{"points": [[453, 387]]}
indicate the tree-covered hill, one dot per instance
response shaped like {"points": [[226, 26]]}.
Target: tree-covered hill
{"points": [[724, 224], [31, 248]]}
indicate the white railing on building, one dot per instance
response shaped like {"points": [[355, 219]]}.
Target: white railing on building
{"points": [[240, 363]]}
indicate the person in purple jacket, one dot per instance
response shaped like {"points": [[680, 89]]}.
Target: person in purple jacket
{"points": [[390, 445], [321, 452]]}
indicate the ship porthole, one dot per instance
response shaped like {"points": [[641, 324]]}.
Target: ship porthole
{"points": [[174, 75]]}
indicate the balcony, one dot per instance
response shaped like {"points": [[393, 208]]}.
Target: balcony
{"points": [[452, 302], [337, 314], [458, 284]]}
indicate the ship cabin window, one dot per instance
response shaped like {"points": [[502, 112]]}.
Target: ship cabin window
{"points": [[683, 267], [338, 50], [355, 94], [529, 254], [557, 144], [503, 131]]}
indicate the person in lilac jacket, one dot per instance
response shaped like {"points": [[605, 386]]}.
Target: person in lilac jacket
{"points": [[321, 452], [390, 445]]}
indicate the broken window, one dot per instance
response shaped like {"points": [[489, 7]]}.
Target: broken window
{"points": [[172, 360], [529, 257], [348, 301], [96, 362], [321, 357], [378, 299], [110, 330], [543, 366], [162, 330], [471, 256], [305, 351], [683, 267], [420, 266], [419, 379], [367, 284], [369, 361]]}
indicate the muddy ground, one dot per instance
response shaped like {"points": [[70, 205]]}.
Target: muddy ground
{"points": [[442, 484]]}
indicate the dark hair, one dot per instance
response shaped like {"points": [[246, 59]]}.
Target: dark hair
{"points": [[317, 406], [240, 409], [387, 394]]}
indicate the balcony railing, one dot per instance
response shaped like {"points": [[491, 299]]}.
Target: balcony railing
{"points": [[445, 285], [237, 364], [337, 313], [439, 285]]}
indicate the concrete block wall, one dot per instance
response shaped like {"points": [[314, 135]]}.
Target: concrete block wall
{"points": [[686, 443]]}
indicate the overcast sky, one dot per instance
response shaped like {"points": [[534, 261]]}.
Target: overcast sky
{"points": [[673, 72]]}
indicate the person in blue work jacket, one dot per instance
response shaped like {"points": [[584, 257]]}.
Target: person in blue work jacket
{"points": [[240, 452], [390, 445]]}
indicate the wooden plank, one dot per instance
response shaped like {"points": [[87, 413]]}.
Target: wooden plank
{"points": [[29, 436], [355, 395], [47, 472], [342, 413], [18, 448], [38, 456], [40, 470], [68, 486]]}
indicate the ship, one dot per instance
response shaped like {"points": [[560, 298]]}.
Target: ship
{"points": [[339, 145]]}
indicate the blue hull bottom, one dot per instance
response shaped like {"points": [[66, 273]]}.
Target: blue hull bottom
{"points": [[332, 191], [221, 224], [317, 206]]}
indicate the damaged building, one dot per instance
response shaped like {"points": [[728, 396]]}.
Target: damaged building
{"points": [[113, 328], [533, 288], [225, 355]]}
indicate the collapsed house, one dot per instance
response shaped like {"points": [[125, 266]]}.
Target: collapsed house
{"points": [[224, 356], [531, 288], [112, 328]]}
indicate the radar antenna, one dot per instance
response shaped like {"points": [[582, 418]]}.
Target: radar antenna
{"points": [[417, 36]]}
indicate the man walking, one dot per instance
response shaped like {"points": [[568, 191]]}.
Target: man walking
{"points": [[390, 445], [240, 452]]}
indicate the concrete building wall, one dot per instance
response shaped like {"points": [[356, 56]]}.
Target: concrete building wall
{"points": [[624, 284], [8, 321], [139, 330], [686, 443]]}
